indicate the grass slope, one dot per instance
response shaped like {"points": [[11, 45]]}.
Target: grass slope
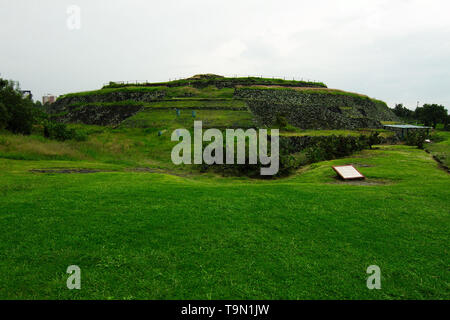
{"points": [[440, 147], [156, 236], [164, 119]]}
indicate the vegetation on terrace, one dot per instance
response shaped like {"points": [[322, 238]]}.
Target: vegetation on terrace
{"points": [[317, 91], [209, 92], [201, 81], [223, 104]]}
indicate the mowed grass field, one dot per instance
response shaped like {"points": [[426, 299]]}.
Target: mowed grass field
{"points": [[441, 148], [146, 235]]}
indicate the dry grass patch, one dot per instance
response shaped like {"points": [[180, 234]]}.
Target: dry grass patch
{"points": [[34, 145]]}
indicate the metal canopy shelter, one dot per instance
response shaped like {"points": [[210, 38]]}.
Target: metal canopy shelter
{"points": [[403, 129]]}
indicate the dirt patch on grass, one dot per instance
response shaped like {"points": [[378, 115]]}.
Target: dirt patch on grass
{"points": [[87, 170], [361, 165], [362, 182], [156, 170], [68, 170]]}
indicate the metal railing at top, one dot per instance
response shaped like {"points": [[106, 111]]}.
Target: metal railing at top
{"points": [[128, 82], [134, 82], [287, 78]]}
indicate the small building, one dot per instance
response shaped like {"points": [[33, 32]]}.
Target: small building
{"points": [[403, 130], [48, 99]]}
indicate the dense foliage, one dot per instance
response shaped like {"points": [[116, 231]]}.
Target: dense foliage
{"points": [[416, 138], [332, 147], [294, 154], [16, 111], [4, 116], [18, 114], [429, 114], [60, 132], [403, 112]]}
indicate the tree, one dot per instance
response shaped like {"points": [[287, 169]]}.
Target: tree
{"points": [[431, 114], [4, 116], [39, 115], [447, 123], [19, 110], [402, 112]]}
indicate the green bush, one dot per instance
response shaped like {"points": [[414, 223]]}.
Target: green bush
{"points": [[80, 136], [332, 147], [315, 154], [60, 132], [287, 164], [374, 138], [416, 138], [294, 154]]}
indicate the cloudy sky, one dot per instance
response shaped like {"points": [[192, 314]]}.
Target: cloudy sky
{"points": [[394, 50]]}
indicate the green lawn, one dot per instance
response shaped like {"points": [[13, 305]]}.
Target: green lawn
{"points": [[440, 147], [140, 235], [199, 104], [164, 119]]}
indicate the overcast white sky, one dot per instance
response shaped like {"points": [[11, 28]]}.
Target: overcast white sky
{"points": [[394, 50]]}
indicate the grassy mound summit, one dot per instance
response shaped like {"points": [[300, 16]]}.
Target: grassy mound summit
{"points": [[244, 102], [205, 80]]}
